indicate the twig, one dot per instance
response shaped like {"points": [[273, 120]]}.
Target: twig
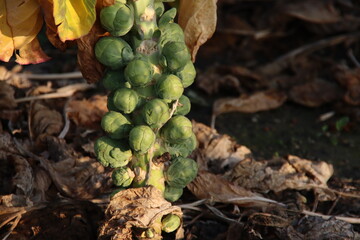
{"points": [[327, 217], [54, 76], [60, 93], [66, 128], [352, 57], [283, 61], [222, 216]]}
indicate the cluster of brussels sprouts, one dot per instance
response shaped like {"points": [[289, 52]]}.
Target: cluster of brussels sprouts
{"points": [[148, 66]]}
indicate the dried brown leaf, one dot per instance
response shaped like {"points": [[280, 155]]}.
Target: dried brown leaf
{"points": [[73, 175], [270, 220], [7, 100], [351, 81], [217, 153], [290, 173], [87, 112], [90, 67], [259, 101], [134, 210], [320, 11], [198, 20], [315, 93], [43, 121], [215, 187]]}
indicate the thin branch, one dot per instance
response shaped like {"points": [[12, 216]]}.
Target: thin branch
{"points": [[327, 217], [52, 76]]}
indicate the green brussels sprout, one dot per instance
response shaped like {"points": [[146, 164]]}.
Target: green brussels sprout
{"points": [[116, 125], [125, 99], [182, 149], [122, 176], [181, 172], [169, 33], [110, 103], [174, 56], [118, 19], [147, 92], [167, 17], [139, 72], [113, 80], [187, 74], [155, 113], [159, 9], [177, 129], [170, 223], [141, 138], [183, 106], [172, 194], [113, 153], [113, 52], [169, 87], [137, 117]]}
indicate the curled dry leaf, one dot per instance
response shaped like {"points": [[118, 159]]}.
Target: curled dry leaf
{"points": [[315, 93], [87, 112], [134, 210], [217, 153], [74, 176], [198, 20], [7, 100], [290, 173], [216, 188], [259, 101], [31, 53], [351, 81], [43, 121], [90, 67]]}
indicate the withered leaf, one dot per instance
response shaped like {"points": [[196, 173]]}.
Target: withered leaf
{"points": [[216, 188], [87, 112], [198, 20], [90, 67], [7, 100], [134, 209], [259, 101], [315, 93], [290, 173], [43, 121]]}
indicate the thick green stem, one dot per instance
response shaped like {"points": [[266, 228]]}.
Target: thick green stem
{"points": [[145, 18]]}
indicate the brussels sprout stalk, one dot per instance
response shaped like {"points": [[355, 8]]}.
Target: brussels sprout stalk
{"points": [[145, 18]]}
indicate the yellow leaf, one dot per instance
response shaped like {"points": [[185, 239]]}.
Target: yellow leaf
{"points": [[74, 18], [20, 22], [31, 53], [198, 20]]}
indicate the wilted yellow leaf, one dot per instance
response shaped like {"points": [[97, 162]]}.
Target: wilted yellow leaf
{"points": [[20, 22], [198, 20], [74, 18], [31, 53]]}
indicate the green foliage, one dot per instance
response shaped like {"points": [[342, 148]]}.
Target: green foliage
{"points": [[181, 172], [125, 100], [113, 52], [116, 125], [141, 138], [118, 19], [172, 194], [113, 153], [123, 176], [167, 17], [169, 87], [170, 223], [113, 80]]}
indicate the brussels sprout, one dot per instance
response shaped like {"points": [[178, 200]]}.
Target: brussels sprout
{"points": [[137, 117], [174, 56], [155, 113], [147, 92], [113, 52], [187, 74], [182, 149], [125, 99], [113, 153], [116, 125], [110, 103], [123, 176], [159, 9], [181, 172], [183, 106], [169, 33], [169, 87], [172, 194], [141, 138], [177, 129], [139, 72], [114, 80], [167, 17], [118, 19], [170, 223]]}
